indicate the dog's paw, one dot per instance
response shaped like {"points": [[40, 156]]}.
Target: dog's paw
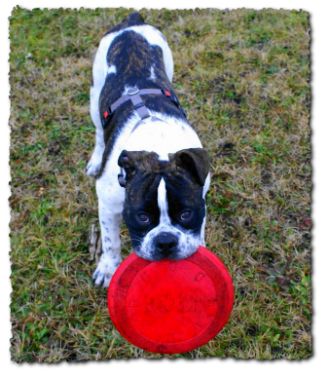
{"points": [[104, 272], [92, 169], [101, 279], [94, 165]]}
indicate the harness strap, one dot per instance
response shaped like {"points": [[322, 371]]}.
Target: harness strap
{"points": [[133, 95]]}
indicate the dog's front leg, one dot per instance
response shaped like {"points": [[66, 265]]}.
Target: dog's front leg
{"points": [[111, 245], [110, 206]]}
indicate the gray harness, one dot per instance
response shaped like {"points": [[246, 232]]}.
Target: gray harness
{"points": [[134, 95]]}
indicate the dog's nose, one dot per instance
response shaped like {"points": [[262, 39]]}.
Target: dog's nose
{"points": [[166, 243]]}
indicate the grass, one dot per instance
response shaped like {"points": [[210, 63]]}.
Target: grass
{"points": [[243, 77]]}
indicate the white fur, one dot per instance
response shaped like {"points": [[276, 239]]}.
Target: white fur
{"points": [[111, 70], [152, 73], [205, 189], [163, 137], [206, 185], [163, 204]]}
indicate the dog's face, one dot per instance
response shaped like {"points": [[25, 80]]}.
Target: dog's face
{"points": [[164, 207]]}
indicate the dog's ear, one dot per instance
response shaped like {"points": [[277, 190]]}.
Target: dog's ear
{"points": [[133, 162], [125, 161], [194, 160]]}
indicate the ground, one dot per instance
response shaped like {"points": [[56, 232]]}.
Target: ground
{"points": [[243, 78]]}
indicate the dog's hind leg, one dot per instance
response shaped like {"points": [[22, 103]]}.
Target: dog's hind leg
{"points": [[94, 164]]}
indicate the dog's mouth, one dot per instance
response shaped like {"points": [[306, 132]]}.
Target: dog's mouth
{"points": [[154, 256]]}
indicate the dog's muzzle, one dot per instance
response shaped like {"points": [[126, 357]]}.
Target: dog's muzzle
{"points": [[166, 244]]}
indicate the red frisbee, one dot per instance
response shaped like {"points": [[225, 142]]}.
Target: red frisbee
{"points": [[168, 306]]}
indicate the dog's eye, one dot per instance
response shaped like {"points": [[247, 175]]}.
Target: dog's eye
{"points": [[143, 217], [185, 215]]}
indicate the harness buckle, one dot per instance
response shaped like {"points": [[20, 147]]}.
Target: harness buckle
{"points": [[133, 91], [107, 113]]}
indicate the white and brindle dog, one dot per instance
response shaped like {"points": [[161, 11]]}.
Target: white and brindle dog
{"points": [[148, 162]]}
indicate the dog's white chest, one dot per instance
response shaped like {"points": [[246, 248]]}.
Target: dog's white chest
{"points": [[163, 137]]}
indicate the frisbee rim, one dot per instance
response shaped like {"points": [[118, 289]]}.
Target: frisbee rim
{"points": [[205, 260]]}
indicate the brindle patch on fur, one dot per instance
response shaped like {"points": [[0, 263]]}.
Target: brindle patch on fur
{"points": [[133, 58]]}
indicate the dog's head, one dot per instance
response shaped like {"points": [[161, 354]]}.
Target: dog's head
{"points": [[164, 207]]}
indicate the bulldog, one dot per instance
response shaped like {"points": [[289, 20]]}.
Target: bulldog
{"points": [[148, 162]]}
